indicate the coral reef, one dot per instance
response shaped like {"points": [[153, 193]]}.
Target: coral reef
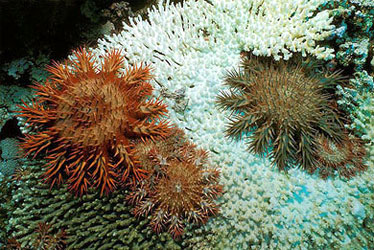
{"points": [[5, 208], [181, 187], [92, 222], [354, 31], [85, 118], [9, 156], [190, 46], [260, 207], [10, 97]]}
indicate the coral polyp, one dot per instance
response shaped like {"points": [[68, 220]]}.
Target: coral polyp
{"points": [[284, 105], [85, 118], [181, 189]]}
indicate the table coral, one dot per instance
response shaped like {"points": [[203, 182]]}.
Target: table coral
{"points": [[85, 117]]}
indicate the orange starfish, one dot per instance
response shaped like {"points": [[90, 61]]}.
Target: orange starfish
{"points": [[86, 118]]}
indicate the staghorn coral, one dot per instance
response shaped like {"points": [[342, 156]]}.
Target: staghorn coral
{"points": [[85, 117], [181, 188], [277, 28], [284, 105], [92, 222], [5, 207]]}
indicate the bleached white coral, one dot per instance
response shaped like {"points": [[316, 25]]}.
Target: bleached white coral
{"points": [[193, 46], [271, 27], [275, 28]]}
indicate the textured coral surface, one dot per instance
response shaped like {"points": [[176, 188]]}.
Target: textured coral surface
{"points": [[191, 48], [260, 207], [92, 222]]}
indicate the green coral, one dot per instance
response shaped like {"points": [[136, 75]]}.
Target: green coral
{"points": [[354, 51], [358, 99], [90, 222], [9, 156], [6, 206], [32, 67], [354, 21], [7, 167], [10, 97], [9, 149]]}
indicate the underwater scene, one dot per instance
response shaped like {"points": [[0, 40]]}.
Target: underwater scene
{"points": [[195, 124]]}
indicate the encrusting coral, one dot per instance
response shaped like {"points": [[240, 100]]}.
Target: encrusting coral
{"points": [[181, 188], [287, 105], [85, 118]]}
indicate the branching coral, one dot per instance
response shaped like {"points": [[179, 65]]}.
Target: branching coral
{"points": [[285, 105], [85, 118], [355, 30], [92, 222], [181, 188]]}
